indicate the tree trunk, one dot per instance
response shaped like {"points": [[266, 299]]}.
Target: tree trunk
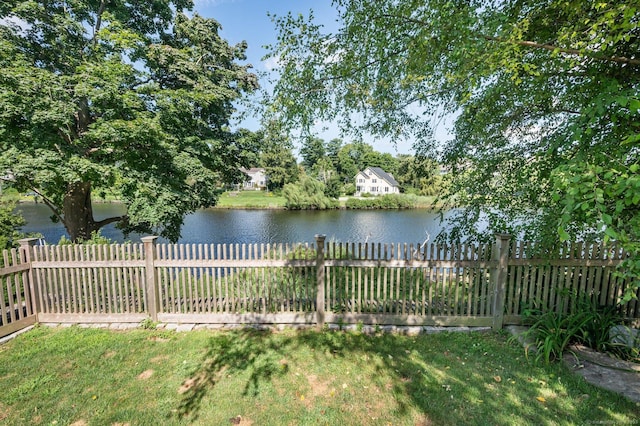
{"points": [[77, 210], [77, 213]]}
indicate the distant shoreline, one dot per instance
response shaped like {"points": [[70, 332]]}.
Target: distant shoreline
{"points": [[250, 200]]}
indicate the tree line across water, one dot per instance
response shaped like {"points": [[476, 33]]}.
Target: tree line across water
{"points": [[328, 169]]}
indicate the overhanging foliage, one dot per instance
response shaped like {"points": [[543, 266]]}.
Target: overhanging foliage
{"points": [[545, 95]]}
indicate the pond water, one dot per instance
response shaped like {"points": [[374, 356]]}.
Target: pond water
{"points": [[266, 226]]}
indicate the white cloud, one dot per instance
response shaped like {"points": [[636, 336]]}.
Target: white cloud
{"points": [[272, 63]]}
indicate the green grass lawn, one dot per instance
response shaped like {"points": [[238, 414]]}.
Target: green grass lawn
{"points": [[250, 199], [82, 376]]}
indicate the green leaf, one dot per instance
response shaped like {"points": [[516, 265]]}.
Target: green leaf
{"points": [[611, 233], [564, 236]]}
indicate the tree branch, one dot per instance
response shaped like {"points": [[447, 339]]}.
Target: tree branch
{"points": [[99, 224], [66, 137], [96, 29], [529, 43], [50, 204], [565, 50]]}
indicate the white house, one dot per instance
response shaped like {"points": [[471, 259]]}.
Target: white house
{"points": [[374, 180], [257, 178]]}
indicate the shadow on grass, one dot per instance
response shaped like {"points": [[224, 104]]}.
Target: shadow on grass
{"points": [[448, 379]]}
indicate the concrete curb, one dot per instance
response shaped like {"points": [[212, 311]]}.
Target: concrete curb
{"points": [[365, 329], [12, 336]]}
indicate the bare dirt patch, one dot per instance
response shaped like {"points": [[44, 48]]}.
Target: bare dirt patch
{"points": [[145, 375], [187, 385], [424, 421], [80, 422], [4, 411], [318, 387], [159, 359], [239, 420], [159, 339], [109, 354]]}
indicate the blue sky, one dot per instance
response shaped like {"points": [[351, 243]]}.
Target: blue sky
{"points": [[248, 20]]}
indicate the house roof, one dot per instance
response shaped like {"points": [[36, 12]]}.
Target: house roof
{"points": [[382, 175], [252, 170]]}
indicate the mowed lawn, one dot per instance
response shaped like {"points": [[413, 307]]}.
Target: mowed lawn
{"points": [[83, 376], [250, 200]]}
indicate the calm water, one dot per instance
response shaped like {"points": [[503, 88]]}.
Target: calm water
{"points": [[267, 226]]}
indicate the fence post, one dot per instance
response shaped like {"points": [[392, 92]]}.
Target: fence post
{"points": [[151, 285], [26, 245], [499, 281], [320, 280]]}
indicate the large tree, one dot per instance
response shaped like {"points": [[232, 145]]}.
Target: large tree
{"points": [[419, 174], [130, 96], [277, 158], [545, 97], [311, 151]]}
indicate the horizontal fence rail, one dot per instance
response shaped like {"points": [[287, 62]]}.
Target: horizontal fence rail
{"points": [[307, 283]]}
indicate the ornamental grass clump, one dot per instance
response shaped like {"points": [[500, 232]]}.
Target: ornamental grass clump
{"points": [[587, 324]]}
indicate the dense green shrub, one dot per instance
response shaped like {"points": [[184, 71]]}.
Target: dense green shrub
{"points": [[10, 224], [388, 201], [349, 189], [307, 194], [333, 187], [96, 239]]}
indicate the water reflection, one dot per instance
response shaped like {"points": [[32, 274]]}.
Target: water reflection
{"points": [[267, 226]]}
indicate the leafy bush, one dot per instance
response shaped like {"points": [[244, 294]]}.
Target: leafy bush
{"points": [[387, 202], [10, 224], [349, 189], [307, 194], [96, 239], [332, 187]]}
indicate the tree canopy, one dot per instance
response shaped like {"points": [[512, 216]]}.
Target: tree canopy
{"points": [[133, 97], [545, 96]]}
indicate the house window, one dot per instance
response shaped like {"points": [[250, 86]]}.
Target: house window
{"points": [[358, 188], [360, 180], [374, 189], [386, 189], [374, 180]]}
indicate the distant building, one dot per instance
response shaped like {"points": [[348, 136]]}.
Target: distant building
{"points": [[257, 179], [375, 181]]}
